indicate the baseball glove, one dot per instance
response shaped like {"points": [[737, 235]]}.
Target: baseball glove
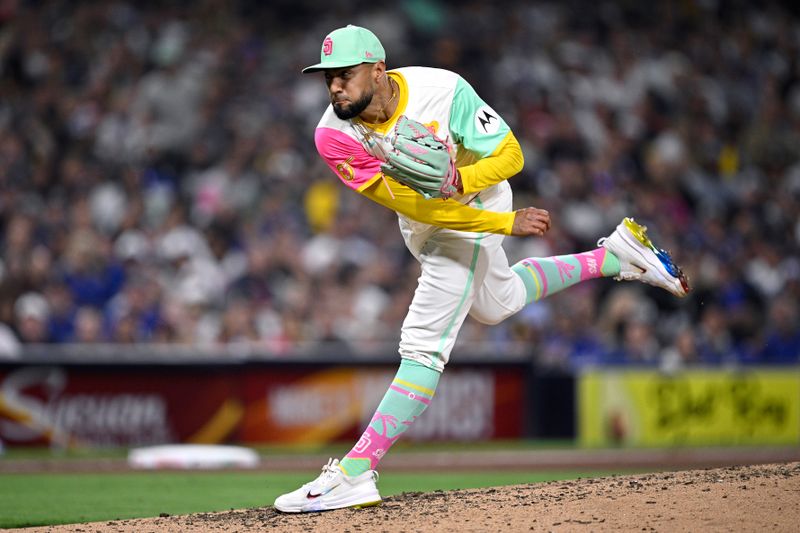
{"points": [[421, 161]]}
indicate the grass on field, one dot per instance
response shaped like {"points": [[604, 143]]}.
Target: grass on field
{"points": [[64, 498], [46, 499], [333, 450]]}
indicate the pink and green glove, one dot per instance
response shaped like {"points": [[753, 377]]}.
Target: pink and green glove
{"points": [[421, 161]]}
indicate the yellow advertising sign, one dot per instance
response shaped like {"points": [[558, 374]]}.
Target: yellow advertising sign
{"points": [[696, 407]]}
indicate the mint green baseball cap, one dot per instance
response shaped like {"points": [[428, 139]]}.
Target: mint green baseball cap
{"points": [[348, 46]]}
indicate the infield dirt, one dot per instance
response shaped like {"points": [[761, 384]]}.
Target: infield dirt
{"points": [[740, 498]]}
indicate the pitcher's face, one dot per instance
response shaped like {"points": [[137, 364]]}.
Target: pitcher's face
{"points": [[351, 89]]}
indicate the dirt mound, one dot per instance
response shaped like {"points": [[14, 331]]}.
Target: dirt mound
{"points": [[742, 498]]}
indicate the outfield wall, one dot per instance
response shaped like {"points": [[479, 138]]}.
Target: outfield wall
{"points": [[246, 402], [135, 401]]}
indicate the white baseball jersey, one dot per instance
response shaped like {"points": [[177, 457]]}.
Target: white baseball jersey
{"points": [[464, 268]]}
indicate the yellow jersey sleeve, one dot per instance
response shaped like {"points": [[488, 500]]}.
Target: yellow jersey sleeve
{"points": [[437, 212], [505, 162]]}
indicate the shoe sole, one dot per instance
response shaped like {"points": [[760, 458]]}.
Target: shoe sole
{"points": [[639, 233], [354, 506], [368, 504]]}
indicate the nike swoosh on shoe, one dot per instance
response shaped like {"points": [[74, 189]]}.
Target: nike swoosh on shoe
{"points": [[313, 496]]}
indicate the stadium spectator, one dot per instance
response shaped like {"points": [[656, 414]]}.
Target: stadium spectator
{"points": [[782, 335], [31, 312]]}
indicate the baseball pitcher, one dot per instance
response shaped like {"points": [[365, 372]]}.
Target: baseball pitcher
{"points": [[423, 143]]}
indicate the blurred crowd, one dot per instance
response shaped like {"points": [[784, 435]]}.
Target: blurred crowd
{"points": [[159, 183]]}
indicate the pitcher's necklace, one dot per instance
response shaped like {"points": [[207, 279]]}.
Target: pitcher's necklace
{"points": [[387, 102]]}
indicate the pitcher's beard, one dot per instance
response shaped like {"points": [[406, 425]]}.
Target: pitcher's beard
{"points": [[355, 109]]}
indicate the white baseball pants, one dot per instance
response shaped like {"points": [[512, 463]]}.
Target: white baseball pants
{"points": [[462, 273]]}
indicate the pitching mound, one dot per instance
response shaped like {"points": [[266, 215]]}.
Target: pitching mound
{"points": [[744, 498]]}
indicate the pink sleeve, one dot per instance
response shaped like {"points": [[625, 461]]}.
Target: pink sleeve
{"points": [[346, 157]]}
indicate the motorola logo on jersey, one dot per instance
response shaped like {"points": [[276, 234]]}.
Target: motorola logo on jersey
{"points": [[486, 120]]}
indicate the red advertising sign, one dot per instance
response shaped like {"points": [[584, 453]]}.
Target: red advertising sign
{"points": [[125, 406], [130, 405], [337, 403]]}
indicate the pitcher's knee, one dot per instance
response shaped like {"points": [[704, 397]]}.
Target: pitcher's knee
{"points": [[429, 358], [490, 319]]}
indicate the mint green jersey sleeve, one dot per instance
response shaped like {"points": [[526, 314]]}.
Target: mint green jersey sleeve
{"points": [[473, 124]]}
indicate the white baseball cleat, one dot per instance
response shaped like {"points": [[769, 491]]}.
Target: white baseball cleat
{"points": [[332, 490], [640, 260]]}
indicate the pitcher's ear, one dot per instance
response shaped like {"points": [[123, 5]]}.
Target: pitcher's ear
{"points": [[380, 72]]}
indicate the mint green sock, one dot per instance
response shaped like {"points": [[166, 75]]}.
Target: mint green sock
{"points": [[409, 394], [544, 276]]}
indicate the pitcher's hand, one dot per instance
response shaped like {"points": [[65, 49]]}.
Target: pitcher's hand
{"points": [[530, 221]]}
